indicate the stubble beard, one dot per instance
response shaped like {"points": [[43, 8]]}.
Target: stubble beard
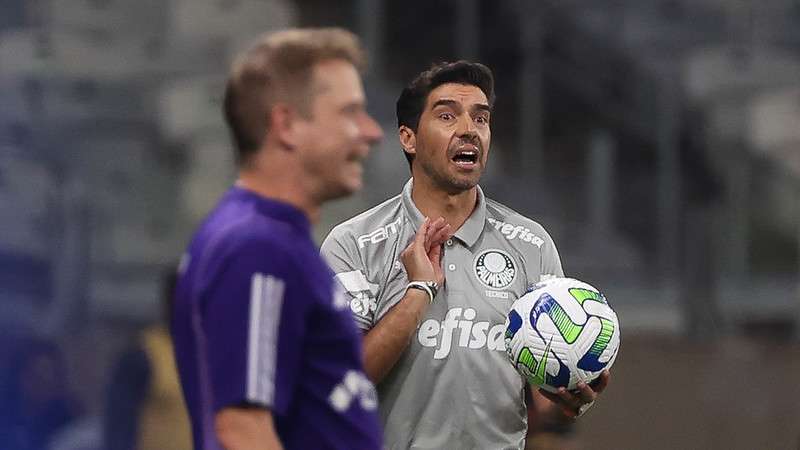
{"points": [[450, 183], [331, 185]]}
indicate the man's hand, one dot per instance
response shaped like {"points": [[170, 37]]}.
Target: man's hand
{"points": [[386, 341], [571, 402], [423, 256]]}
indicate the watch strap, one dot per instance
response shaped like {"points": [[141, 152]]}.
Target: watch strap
{"points": [[430, 287]]}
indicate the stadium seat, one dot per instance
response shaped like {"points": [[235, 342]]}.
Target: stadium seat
{"points": [[23, 53], [125, 290], [120, 17], [188, 106], [233, 19], [16, 116], [210, 171], [103, 55], [68, 99], [718, 70], [27, 199], [773, 118]]}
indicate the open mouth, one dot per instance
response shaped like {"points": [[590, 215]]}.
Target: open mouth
{"points": [[465, 157]]}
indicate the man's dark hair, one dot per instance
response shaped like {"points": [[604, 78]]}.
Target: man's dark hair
{"points": [[412, 100]]}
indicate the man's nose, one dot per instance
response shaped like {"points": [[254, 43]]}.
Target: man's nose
{"points": [[466, 126], [371, 130]]}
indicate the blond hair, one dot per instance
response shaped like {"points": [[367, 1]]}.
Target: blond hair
{"points": [[278, 69]]}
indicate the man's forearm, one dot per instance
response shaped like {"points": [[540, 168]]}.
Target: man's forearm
{"points": [[387, 340]]}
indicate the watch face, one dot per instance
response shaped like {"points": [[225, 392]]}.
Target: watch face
{"points": [[584, 407], [433, 286]]}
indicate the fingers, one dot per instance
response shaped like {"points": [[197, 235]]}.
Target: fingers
{"points": [[571, 401], [550, 396], [600, 383], [422, 257], [421, 237], [426, 233], [568, 406], [585, 394], [415, 257], [435, 256], [439, 237], [416, 248], [434, 232]]}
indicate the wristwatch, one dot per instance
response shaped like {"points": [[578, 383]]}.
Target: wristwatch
{"points": [[583, 408], [430, 287]]}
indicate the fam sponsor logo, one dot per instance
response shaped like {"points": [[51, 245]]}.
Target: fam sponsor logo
{"points": [[511, 231], [460, 328], [495, 269], [380, 235]]}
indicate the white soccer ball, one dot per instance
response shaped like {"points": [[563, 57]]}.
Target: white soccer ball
{"points": [[561, 332]]}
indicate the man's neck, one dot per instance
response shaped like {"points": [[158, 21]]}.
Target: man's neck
{"points": [[278, 182], [433, 202]]}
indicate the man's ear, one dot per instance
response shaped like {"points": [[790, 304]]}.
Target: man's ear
{"points": [[282, 123], [408, 139]]}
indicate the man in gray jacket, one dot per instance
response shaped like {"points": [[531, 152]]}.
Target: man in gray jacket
{"points": [[431, 295]]}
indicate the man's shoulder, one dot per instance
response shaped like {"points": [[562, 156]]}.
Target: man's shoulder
{"points": [[501, 216], [378, 217], [224, 234]]}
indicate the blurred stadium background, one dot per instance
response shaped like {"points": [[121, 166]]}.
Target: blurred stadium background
{"points": [[657, 140]]}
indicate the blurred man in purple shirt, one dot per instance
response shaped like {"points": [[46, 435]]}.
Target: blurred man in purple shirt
{"points": [[267, 350]]}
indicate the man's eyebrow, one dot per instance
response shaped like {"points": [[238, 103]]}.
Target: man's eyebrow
{"points": [[446, 102], [356, 103], [456, 105], [482, 107]]}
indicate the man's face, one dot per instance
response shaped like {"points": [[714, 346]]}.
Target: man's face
{"points": [[336, 138], [453, 137]]}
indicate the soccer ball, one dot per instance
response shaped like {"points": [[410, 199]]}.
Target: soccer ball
{"points": [[561, 332]]}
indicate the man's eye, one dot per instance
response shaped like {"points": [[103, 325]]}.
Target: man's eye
{"points": [[353, 110], [482, 120], [446, 116]]}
